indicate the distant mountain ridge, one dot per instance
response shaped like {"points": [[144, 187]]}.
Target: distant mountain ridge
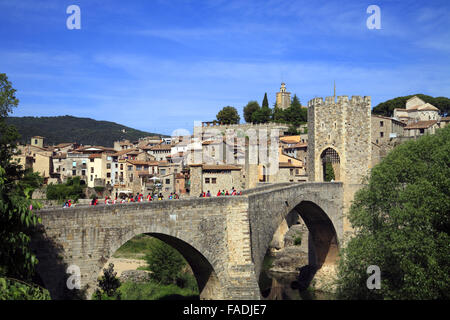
{"points": [[67, 128]]}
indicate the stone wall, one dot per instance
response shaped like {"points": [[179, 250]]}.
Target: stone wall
{"points": [[210, 233], [268, 209], [224, 239], [344, 126]]}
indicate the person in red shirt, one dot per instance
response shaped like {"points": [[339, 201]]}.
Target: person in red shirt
{"points": [[218, 193]]}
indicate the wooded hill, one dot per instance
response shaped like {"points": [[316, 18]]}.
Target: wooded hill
{"points": [[73, 129]]}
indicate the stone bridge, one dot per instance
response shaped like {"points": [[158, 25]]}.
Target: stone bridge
{"points": [[224, 239]]}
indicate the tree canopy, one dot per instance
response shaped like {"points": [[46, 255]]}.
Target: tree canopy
{"points": [[249, 109], [74, 129], [402, 224], [228, 115], [387, 108], [16, 186]]}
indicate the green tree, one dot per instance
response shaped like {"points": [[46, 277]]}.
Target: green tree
{"points": [[402, 222], [228, 115], [329, 172], [262, 115], [165, 262], [278, 114], [16, 185], [265, 103], [295, 114], [108, 285], [249, 109]]}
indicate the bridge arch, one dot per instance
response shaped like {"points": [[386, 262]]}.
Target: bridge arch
{"points": [[318, 204], [323, 242], [208, 282]]}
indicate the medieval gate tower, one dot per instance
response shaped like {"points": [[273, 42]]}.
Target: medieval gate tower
{"points": [[340, 133]]}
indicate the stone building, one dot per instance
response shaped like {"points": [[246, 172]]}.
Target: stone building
{"points": [[340, 133], [417, 110], [214, 178], [37, 141], [283, 98]]}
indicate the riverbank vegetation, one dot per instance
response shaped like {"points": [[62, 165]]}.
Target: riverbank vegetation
{"points": [[17, 220], [402, 225], [170, 274]]}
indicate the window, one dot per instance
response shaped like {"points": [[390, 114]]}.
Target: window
{"points": [[167, 181], [206, 180], [92, 160], [35, 141], [92, 170], [117, 165], [74, 164], [92, 177], [163, 171], [213, 180], [83, 172], [130, 168], [121, 166], [291, 171], [74, 172], [108, 175], [138, 168], [381, 123], [381, 134], [422, 130], [108, 166]]}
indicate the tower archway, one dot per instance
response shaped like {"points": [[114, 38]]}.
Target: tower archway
{"points": [[330, 165]]}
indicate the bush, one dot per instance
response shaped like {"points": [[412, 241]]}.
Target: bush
{"points": [[108, 284], [165, 262], [11, 289], [72, 189]]}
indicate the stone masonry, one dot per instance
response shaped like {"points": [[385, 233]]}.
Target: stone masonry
{"points": [[224, 239]]}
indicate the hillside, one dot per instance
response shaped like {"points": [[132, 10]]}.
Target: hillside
{"points": [[72, 129], [387, 108]]}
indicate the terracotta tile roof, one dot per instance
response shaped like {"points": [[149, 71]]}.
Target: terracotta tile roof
{"points": [[143, 163], [428, 107], [64, 144], [220, 167], [298, 145], [95, 155], [60, 156], [163, 147], [288, 165], [421, 124], [122, 152]]}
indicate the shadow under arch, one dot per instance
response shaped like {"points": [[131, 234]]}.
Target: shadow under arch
{"points": [[323, 242], [323, 246], [209, 285]]}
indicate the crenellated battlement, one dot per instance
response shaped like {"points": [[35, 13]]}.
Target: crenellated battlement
{"points": [[339, 100]]}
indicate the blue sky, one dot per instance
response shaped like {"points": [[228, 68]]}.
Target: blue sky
{"points": [[159, 65]]}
